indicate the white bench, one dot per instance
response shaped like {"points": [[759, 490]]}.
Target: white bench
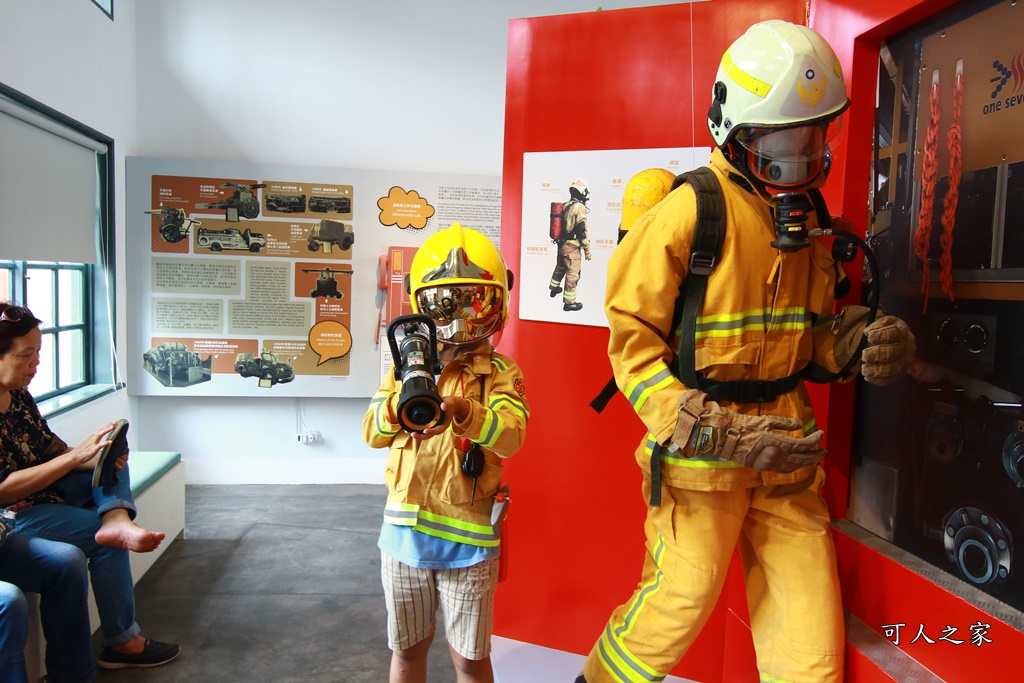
{"points": [[158, 485]]}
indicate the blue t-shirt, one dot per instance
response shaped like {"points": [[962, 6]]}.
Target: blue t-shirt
{"points": [[424, 551]]}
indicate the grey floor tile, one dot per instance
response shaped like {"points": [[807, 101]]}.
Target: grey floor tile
{"points": [[273, 584]]}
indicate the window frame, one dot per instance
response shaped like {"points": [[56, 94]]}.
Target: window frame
{"points": [[99, 280]]}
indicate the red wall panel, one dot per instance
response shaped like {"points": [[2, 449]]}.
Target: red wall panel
{"points": [[622, 79]]}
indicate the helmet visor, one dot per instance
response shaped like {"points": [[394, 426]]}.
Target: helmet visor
{"points": [[463, 313], [788, 157]]}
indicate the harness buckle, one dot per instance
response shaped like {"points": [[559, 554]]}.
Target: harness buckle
{"points": [[701, 264]]}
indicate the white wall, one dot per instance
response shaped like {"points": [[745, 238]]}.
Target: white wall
{"points": [[68, 55], [400, 84]]}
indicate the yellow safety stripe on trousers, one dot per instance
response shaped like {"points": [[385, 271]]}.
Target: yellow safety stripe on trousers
{"points": [[767, 678], [381, 420], [743, 79], [611, 648], [756, 319], [643, 385], [433, 524]]}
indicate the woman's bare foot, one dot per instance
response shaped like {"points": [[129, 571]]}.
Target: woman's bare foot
{"points": [[119, 531]]}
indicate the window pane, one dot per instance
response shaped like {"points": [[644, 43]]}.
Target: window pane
{"points": [[69, 289], [6, 283], [44, 379], [39, 294], [72, 350]]}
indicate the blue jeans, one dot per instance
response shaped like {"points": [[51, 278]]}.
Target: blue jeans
{"points": [[57, 572], [109, 569]]}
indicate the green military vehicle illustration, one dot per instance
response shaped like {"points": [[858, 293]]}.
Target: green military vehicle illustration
{"points": [[321, 204], [285, 203], [174, 224], [326, 285], [242, 202], [230, 238], [173, 365], [267, 366], [330, 234]]}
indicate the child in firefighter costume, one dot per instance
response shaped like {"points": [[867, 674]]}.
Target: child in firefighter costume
{"points": [[439, 546], [735, 460]]}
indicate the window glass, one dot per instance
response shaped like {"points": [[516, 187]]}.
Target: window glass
{"points": [[39, 294], [44, 381], [72, 351], [70, 298]]}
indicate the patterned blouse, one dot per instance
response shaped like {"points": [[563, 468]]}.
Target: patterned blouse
{"points": [[25, 441]]}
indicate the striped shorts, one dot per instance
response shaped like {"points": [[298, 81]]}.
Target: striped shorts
{"points": [[466, 598]]}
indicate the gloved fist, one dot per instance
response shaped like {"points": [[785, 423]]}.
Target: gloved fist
{"points": [[889, 352], [705, 428], [586, 254]]}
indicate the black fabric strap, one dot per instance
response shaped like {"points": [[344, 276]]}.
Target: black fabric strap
{"points": [[656, 476]]}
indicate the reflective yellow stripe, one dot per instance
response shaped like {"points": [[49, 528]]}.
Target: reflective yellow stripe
{"points": [[381, 421], [645, 384], [611, 647], [757, 319], [491, 428], [502, 401], [698, 461], [743, 79], [433, 524]]}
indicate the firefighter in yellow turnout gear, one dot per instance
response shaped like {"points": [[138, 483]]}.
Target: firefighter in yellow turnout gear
{"points": [[736, 471], [439, 544], [573, 246]]}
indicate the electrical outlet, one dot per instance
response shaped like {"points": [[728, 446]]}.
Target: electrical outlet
{"points": [[308, 437]]}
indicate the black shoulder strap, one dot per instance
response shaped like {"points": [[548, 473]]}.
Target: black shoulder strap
{"points": [[708, 236], [707, 245]]}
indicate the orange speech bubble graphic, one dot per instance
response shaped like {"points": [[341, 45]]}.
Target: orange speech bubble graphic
{"points": [[404, 209], [329, 339]]}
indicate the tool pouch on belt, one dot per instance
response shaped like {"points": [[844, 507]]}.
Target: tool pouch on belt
{"points": [[704, 428]]}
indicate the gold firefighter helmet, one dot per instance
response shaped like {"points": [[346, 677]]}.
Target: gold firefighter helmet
{"points": [[459, 279]]}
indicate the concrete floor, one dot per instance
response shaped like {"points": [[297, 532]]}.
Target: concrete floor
{"points": [[273, 584]]}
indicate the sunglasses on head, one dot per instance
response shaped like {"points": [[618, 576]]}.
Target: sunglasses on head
{"points": [[14, 314]]}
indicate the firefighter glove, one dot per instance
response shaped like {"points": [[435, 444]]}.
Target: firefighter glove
{"points": [[888, 351], [705, 428]]}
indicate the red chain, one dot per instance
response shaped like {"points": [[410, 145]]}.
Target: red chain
{"points": [[929, 176], [949, 202]]}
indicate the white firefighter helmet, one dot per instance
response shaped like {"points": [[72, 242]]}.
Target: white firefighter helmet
{"points": [[579, 189], [779, 94]]}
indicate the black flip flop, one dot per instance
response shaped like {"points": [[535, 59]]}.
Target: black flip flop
{"points": [[104, 474]]}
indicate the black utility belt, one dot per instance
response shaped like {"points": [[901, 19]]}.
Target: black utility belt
{"points": [[749, 390]]}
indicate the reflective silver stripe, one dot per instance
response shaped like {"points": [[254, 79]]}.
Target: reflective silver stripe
{"points": [[760, 319], [500, 400], [493, 426], [380, 419], [499, 363], [641, 388], [438, 525]]}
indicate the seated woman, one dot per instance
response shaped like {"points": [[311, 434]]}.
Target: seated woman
{"points": [[58, 572], [48, 484]]}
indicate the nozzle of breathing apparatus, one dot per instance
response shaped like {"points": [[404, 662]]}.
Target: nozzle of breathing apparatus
{"points": [[414, 356]]}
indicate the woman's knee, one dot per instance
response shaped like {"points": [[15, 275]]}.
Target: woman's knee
{"points": [[13, 606]]}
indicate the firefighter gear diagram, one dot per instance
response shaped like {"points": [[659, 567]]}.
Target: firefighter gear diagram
{"points": [[251, 283], [572, 214]]}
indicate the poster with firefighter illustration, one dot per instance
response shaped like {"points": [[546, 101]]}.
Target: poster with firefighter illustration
{"points": [[249, 281], [572, 213]]}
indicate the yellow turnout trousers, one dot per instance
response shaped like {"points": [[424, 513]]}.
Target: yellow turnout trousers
{"points": [[792, 585]]}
